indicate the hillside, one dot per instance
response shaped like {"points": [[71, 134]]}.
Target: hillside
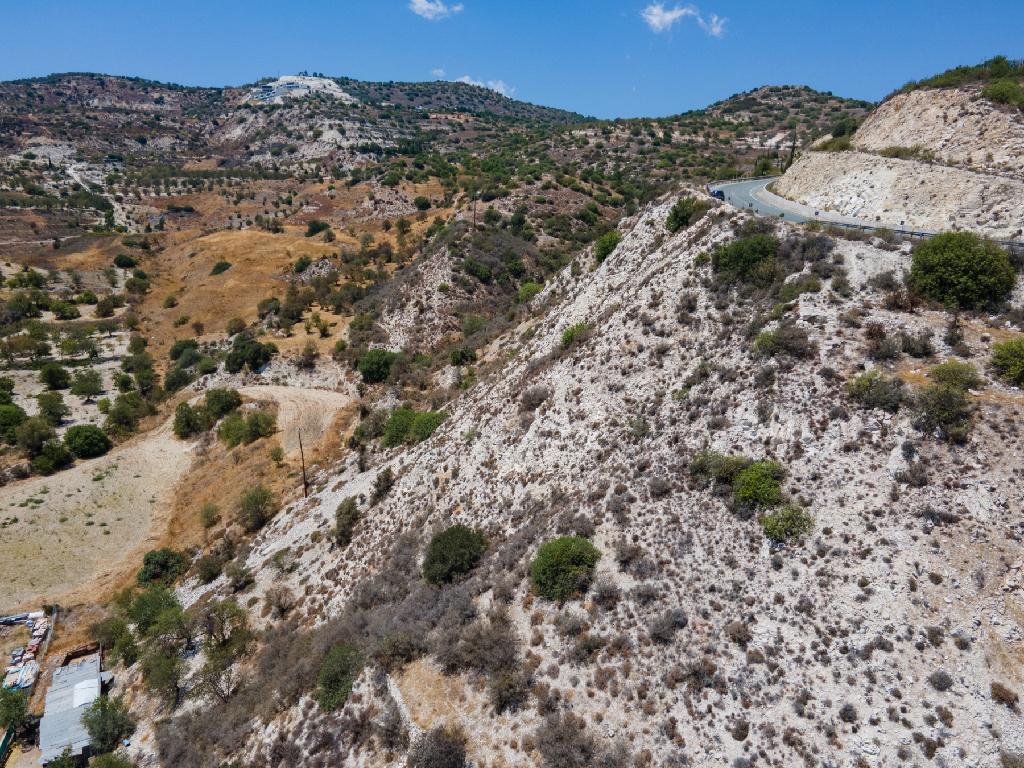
{"points": [[943, 153]]}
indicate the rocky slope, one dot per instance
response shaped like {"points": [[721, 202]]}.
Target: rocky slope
{"points": [[873, 642], [936, 159]]}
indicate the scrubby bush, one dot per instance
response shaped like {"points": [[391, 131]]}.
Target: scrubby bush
{"points": [[86, 441], [32, 434], [236, 429], [375, 365], [961, 269], [1005, 91], [108, 723], [54, 376], [256, 507], [338, 673], [176, 378], [220, 267], [788, 340], [759, 485], [187, 421], [575, 333], [452, 553], [686, 211], [86, 384], [124, 261], [440, 747], [53, 457], [956, 374], [345, 519], [718, 467], [748, 260], [787, 523], [563, 567], [527, 291], [1008, 360], [605, 244], [247, 352], [11, 417], [873, 390], [220, 402], [162, 565], [52, 407], [945, 409]]}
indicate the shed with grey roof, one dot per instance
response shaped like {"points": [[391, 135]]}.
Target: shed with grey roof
{"points": [[74, 687]]}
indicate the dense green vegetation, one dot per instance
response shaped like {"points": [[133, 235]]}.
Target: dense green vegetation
{"points": [[961, 270], [452, 553], [563, 567]]}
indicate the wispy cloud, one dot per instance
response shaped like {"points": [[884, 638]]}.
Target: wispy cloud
{"points": [[434, 9], [437, 72], [661, 19], [500, 86]]}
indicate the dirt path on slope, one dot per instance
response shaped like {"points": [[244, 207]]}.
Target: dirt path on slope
{"points": [[71, 536]]}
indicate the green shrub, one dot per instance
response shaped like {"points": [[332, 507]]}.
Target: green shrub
{"points": [[32, 434], [873, 390], [791, 340], [563, 567], [787, 523], [13, 708], [54, 376], [177, 378], [422, 203], [527, 291], [747, 260], [375, 365], [686, 211], [452, 553], [53, 457], [835, 144], [345, 519], [961, 270], [162, 566], [187, 421], [220, 267], [956, 374], [315, 227], [718, 466], [338, 673], [424, 424], [86, 384], [52, 407], [605, 244], [236, 429], [246, 351], [149, 604], [575, 333], [256, 508], [1005, 92], [759, 485], [124, 261], [945, 409], [220, 402], [86, 441], [11, 417], [108, 723], [1008, 360], [397, 427]]}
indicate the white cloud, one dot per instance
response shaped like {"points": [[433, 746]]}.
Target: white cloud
{"points": [[714, 25], [433, 10], [661, 19], [437, 72], [499, 86]]}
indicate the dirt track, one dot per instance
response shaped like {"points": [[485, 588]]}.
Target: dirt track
{"points": [[76, 530]]}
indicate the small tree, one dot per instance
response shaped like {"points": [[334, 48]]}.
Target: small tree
{"points": [[32, 434], [13, 708], [187, 421], [787, 523], [440, 747], [375, 365], [52, 407], [54, 376], [108, 722], [87, 384], [1008, 360], [256, 508], [685, 212], [605, 244], [337, 675], [452, 553], [563, 567]]}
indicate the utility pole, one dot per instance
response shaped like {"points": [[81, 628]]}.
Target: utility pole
{"points": [[302, 457]]}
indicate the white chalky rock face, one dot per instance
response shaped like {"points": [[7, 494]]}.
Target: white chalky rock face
{"points": [[297, 86], [897, 581]]}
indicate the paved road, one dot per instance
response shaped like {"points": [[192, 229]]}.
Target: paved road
{"points": [[752, 194]]}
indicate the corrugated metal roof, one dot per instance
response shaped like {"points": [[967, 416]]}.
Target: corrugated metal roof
{"points": [[61, 727]]}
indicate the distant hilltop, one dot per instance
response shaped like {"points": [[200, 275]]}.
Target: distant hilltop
{"points": [[297, 86]]}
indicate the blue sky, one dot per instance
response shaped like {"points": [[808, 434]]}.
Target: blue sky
{"points": [[607, 58]]}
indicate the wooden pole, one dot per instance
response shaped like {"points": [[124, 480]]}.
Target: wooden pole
{"points": [[302, 456]]}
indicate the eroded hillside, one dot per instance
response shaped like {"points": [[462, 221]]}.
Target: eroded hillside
{"points": [[609, 414]]}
